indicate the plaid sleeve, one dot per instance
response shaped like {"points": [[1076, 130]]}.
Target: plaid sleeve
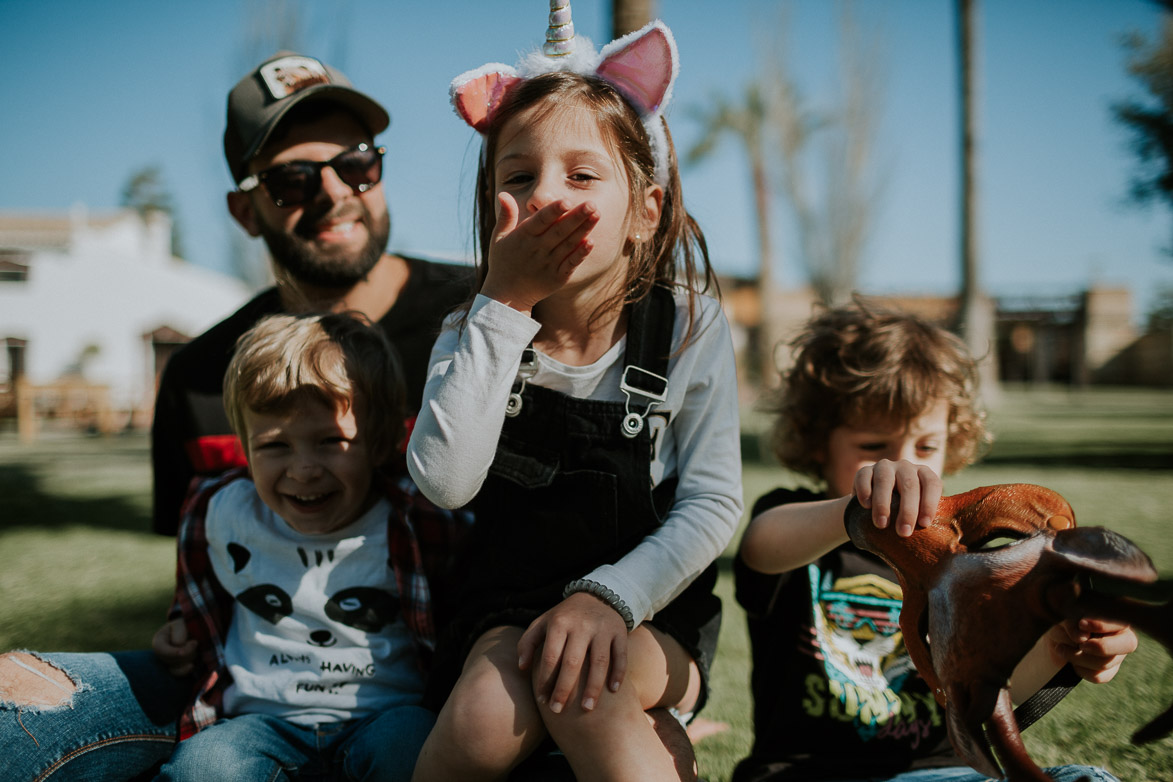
{"points": [[204, 606], [423, 540]]}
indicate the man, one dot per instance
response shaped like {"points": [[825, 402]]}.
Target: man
{"points": [[300, 145]]}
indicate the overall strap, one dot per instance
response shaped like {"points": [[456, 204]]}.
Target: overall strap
{"points": [[649, 331], [645, 363]]}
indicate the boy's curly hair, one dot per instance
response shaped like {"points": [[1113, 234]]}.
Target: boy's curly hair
{"points": [[861, 361], [334, 358]]}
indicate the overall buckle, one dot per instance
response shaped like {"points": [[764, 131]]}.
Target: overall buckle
{"points": [[652, 387], [527, 369]]}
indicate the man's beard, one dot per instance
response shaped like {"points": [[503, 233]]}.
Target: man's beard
{"points": [[308, 265]]}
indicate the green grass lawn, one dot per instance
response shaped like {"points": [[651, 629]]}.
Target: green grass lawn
{"points": [[79, 568], [80, 571]]}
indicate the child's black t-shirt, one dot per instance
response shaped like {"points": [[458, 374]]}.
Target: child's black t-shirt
{"points": [[835, 693]]}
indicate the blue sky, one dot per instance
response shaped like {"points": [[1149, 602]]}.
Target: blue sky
{"points": [[97, 90]]}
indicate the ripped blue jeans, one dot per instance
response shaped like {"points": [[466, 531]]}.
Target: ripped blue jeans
{"points": [[110, 717]]}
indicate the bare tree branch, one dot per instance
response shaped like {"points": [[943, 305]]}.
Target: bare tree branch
{"points": [[834, 203]]}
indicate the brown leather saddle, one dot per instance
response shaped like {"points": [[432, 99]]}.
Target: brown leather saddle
{"points": [[996, 569]]}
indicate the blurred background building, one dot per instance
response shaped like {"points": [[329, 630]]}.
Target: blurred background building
{"points": [[91, 305]]}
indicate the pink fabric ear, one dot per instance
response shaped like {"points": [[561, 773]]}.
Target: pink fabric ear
{"points": [[476, 99], [642, 69]]}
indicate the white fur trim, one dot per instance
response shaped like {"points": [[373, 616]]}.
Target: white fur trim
{"points": [[476, 73], [585, 61]]}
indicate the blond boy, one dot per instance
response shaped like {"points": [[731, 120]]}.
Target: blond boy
{"points": [[304, 583]]}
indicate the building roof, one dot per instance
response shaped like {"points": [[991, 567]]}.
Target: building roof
{"points": [[50, 230]]}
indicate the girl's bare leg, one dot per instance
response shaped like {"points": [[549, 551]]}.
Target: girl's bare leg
{"points": [[616, 740], [490, 722]]}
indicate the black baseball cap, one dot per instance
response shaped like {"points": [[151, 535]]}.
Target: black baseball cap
{"points": [[260, 100]]}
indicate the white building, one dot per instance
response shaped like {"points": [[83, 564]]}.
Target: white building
{"points": [[98, 301]]}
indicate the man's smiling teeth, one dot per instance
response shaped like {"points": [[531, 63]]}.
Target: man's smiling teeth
{"points": [[339, 228]]}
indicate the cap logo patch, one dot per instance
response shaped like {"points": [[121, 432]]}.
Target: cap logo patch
{"points": [[288, 75]]}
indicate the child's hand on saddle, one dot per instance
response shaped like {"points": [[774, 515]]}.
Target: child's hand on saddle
{"points": [[581, 635], [917, 488], [533, 256], [174, 650], [1094, 647]]}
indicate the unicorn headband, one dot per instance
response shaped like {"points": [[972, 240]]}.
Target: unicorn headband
{"points": [[642, 66]]}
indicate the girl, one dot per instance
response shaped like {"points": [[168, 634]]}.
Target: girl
{"points": [[586, 405]]}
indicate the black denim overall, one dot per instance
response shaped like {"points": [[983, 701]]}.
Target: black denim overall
{"points": [[569, 491]]}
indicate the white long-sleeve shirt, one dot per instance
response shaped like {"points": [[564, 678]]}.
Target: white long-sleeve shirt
{"points": [[469, 381]]}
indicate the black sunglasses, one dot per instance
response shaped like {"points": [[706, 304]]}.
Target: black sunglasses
{"points": [[298, 182]]}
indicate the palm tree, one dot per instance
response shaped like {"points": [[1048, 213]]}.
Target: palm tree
{"points": [[976, 317], [835, 194], [146, 192]]}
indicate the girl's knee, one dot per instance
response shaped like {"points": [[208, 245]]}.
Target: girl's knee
{"points": [[492, 690], [615, 714], [488, 723], [488, 687], [486, 704]]}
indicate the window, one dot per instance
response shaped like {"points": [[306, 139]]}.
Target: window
{"points": [[13, 266]]}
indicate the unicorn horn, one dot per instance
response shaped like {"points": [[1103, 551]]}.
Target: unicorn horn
{"points": [[560, 33]]}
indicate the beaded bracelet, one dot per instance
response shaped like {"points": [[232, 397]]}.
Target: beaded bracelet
{"points": [[608, 596]]}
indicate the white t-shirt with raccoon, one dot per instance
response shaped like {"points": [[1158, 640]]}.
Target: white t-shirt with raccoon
{"points": [[317, 634]]}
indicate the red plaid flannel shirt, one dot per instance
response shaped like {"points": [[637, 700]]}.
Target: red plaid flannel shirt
{"points": [[422, 541]]}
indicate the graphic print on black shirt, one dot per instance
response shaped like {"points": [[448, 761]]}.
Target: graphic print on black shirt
{"points": [[857, 639]]}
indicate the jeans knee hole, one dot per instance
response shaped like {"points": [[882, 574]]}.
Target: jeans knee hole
{"points": [[29, 681]]}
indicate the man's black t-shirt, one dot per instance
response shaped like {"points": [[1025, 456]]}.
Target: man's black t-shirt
{"points": [[191, 435]]}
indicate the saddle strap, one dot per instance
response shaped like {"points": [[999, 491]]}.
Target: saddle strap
{"points": [[1046, 698]]}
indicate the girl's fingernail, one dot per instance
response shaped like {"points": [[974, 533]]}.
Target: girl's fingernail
{"points": [[541, 699], [556, 707], [614, 686], [588, 704]]}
